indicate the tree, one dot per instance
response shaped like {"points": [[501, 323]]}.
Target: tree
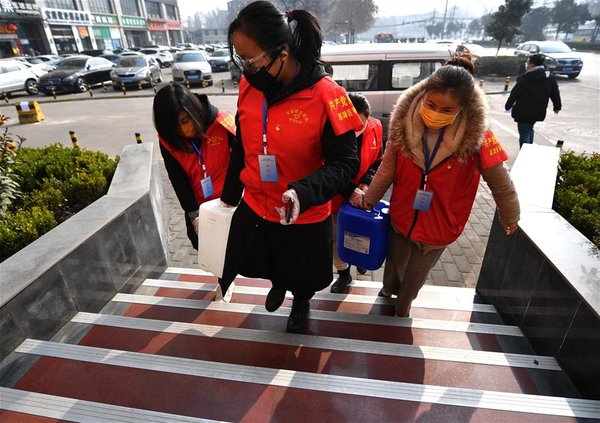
{"points": [[504, 23], [594, 8], [453, 28], [350, 16], [435, 30], [534, 23], [474, 28], [568, 15]]}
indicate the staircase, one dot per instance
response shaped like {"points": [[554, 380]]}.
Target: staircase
{"points": [[167, 353]]}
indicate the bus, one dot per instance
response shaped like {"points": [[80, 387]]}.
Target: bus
{"points": [[384, 37]]}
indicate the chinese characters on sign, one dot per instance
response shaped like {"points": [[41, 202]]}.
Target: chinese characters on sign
{"points": [[66, 17], [8, 7]]}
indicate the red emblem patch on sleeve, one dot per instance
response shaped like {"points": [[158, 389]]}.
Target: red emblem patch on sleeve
{"points": [[341, 111], [227, 120], [492, 152]]}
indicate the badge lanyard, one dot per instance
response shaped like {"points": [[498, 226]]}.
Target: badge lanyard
{"points": [[266, 162], [423, 197], [206, 182]]}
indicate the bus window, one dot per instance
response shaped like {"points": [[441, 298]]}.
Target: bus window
{"points": [[356, 77], [405, 74]]}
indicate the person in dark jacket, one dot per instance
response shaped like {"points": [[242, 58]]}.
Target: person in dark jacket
{"points": [[529, 98], [195, 139], [295, 149]]}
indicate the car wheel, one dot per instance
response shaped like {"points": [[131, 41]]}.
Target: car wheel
{"points": [[573, 75], [81, 85], [31, 87]]}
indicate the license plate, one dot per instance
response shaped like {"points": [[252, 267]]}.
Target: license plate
{"points": [[567, 69], [50, 88], [193, 77], [127, 80]]}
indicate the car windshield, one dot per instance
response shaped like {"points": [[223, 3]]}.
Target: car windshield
{"points": [[132, 61], [221, 53], [190, 57], [72, 64], [555, 48], [148, 51]]}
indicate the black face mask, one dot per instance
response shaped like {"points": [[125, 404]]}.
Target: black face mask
{"points": [[263, 80]]}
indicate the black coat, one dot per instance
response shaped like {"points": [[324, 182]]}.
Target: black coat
{"points": [[529, 97]]}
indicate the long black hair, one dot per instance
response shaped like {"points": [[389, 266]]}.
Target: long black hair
{"points": [[455, 79], [168, 102], [270, 28]]}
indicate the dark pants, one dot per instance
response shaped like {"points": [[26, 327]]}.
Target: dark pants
{"points": [[525, 133]]}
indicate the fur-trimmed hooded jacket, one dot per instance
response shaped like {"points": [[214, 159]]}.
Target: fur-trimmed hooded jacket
{"points": [[468, 150]]}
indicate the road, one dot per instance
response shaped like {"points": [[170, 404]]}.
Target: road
{"points": [[108, 121]]}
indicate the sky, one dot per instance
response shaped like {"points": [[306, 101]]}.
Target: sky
{"points": [[476, 8]]}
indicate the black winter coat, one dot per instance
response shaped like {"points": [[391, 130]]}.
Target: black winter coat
{"points": [[529, 97]]}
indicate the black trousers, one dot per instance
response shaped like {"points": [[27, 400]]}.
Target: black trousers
{"points": [[297, 258]]}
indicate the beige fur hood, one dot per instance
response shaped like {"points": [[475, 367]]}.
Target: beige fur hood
{"points": [[462, 138]]}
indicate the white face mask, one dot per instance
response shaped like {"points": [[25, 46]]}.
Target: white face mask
{"points": [[359, 133]]}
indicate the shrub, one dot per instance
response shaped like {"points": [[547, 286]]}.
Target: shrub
{"points": [[500, 65], [55, 183], [577, 195]]}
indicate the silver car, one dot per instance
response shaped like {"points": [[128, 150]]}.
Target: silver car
{"points": [[135, 70], [192, 67]]}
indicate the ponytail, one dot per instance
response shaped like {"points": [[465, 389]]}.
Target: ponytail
{"points": [[307, 36]]}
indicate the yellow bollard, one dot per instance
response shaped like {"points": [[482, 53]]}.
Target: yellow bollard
{"points": [[154, 86], [559, 143], [104, 87], [74, 139], [29, 112], [123, 89], [138, 138], [5, 95], [187, 84], [506, 83], [53, 91], [235, 83], [223, 85], [139, 85], [481, 83], [90, 90]]}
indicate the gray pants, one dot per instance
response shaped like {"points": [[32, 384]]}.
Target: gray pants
{"points": [[406, 269]]}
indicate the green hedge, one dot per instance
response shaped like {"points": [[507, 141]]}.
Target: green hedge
{"points": [[55, 183], [577, 195], [580, 46], [500, 66]]}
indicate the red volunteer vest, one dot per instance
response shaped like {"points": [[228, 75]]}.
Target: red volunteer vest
{"points": [[454, 184], [370, 151], [294, 137], [214, 147]]}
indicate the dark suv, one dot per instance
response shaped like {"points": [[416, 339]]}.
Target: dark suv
{"points": [[560, 59]]}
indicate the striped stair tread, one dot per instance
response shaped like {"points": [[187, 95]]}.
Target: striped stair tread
{"points": [[158, 372]]}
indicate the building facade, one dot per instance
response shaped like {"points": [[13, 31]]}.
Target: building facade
{"points": [[29, 27]]}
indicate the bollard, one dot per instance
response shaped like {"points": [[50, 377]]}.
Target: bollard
{"points": [[74, 139], [139, 85], [138, 138], [53, 92], [204, 84], [481, 83], [235, 83], [154, 86], [29, 112], [506, 83], [104, 87], [123, 89], [90, 90], [187, 84], [559, 143], [223, 85], [5, 95]]}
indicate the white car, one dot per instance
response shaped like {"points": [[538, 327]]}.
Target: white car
{"points": [[191, 66], [162, 55], [19, 76]]}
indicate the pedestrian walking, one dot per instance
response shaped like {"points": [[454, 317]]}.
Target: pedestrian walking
{"points": [[295, 149], [195, 139], [436, 153], [370, 150], [529, 97]]}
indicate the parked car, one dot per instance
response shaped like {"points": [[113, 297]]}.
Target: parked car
{"points": [[187, 46], [235, 72], [560, 59], [111, 57], [35, 63], [134, 70], [162, 55], [50, 59], [74, 74], [132, 53], [219, 60], [18, 76], [191, 66]]}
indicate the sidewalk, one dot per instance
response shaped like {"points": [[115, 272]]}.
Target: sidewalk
{"points": [[459, 265]]}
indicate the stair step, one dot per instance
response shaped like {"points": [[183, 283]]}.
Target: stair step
{"points": [[55, 407], [336, 390]]}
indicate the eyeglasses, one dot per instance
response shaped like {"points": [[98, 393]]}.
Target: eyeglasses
{"points": [[248, 64]]}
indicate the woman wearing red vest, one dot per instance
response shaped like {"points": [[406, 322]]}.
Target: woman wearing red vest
{"points": [[438, 148], [295, 149], [369, 146], [195, 139]]}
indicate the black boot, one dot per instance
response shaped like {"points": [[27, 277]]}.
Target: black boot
{"points": [[361, 271], [275, 298], [343, 279], [298, 315]]}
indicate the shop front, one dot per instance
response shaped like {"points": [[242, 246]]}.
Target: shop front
{"points": [[21, 31], [174, 32], [70, 30], [136, 33], [158, 32], [106, 32]]}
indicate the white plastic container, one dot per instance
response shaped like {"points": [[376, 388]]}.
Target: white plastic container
{"points": [[213, 233]]}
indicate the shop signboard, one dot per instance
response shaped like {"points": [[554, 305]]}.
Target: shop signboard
{"points": [[157, 25], [105, 20], [12, 9], [66, 17], [133, 21]]}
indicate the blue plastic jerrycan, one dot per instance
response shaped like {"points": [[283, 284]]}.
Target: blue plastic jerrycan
{"points": [[362, 235]]}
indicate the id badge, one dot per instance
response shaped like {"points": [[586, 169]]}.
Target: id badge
{"points": [[207, 187], [268, 167], [423, 200]]}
